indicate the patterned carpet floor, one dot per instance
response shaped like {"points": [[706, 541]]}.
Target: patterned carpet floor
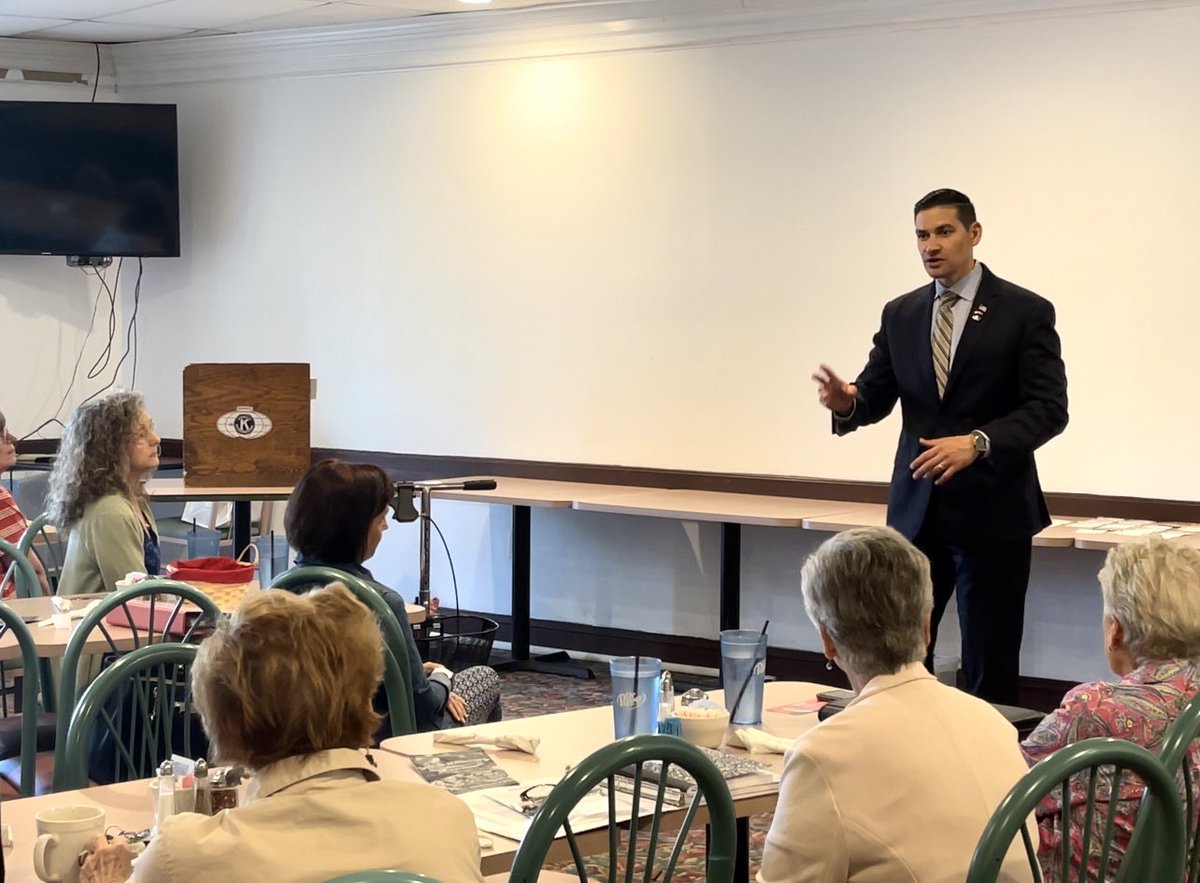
{"points": [[525, 694]]}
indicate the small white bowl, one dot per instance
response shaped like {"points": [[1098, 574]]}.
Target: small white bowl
{"points": [[704, 727]]}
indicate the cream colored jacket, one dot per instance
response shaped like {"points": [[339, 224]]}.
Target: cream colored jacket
{"points": [[315, 817], [895, 789]]}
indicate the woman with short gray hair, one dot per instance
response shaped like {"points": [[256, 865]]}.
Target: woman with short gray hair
{"points": [[899, 785], [871, 598], [1151, 629]]}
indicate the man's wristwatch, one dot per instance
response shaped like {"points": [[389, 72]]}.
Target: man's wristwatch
{"points": [[983, 444]]}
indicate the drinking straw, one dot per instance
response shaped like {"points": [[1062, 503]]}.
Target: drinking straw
{"points": [[637, 663], [746, 682]]}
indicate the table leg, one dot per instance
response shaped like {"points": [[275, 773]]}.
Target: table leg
{"points": [[731, 575], [741, 864], [240, 526], [520, 582], [741, 856], [550, 663]]}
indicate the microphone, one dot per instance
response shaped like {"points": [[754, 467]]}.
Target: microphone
{"points": [[479, 484]]}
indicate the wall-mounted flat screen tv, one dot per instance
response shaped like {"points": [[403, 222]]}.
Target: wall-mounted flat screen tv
{"points": [[94, 180]]}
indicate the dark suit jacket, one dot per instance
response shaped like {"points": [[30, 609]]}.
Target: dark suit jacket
{"points": [[1007, 379]]}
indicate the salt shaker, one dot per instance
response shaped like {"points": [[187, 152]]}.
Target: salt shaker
{"points": [[164, 804], [203, 793], [668, 723]]}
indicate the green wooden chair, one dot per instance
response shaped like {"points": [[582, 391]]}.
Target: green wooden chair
{"points": [[164, 613], [600, 768], [50, 548], [19, 733], [143, 703], [382, 877], [396, 680], [1160, 853], [20, 573], [1174, 757]]}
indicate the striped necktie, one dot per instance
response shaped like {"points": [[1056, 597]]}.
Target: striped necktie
{"points": [[943, 332]]}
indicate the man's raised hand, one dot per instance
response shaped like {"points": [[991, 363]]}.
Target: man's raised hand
{"points": [[834, 393]]}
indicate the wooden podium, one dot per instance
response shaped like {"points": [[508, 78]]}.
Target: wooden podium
{"points": [[245, 424]]}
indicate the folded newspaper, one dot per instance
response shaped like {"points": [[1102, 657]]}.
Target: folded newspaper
{"points": [[461, 771], [745, 778]]}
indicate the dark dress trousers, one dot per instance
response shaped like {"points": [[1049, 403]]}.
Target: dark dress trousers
{"points": [[1006, 379]]}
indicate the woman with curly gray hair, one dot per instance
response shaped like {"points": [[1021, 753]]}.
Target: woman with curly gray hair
{"points": [[107, 452]]}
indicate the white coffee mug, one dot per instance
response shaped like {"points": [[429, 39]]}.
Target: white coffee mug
{"points": [[63, 833]]}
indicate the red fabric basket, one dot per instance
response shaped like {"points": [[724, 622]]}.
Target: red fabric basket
{"points": [[224, 571]]}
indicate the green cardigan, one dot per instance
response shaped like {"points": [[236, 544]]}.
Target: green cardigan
{"points": [[106, 544]]}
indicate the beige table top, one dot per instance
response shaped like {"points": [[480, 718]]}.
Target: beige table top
{"points": [[169, 490], [567, 737], [1133, 532], [532, 492], [570, 736], [1057, 536], [689, 505], [128, 806], [52, 642]]}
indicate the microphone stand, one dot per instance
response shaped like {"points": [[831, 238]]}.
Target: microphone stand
{"points": [[404, 512]]}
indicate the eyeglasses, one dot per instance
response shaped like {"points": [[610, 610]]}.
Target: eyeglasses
{"points": [[533, 797]]}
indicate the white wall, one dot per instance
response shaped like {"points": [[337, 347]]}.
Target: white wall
{"points": [[46, 307], [638, 258]]}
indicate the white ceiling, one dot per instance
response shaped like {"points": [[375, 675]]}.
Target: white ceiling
{"points": [[127, 21]]}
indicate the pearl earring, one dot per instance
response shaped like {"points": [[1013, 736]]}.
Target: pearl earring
{"points": [[828, 665]]}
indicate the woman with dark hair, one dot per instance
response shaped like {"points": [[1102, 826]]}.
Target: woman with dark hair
{"points": [[336, 517], [97, 494]]}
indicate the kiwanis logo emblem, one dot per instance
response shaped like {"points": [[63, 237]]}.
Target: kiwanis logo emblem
{"points": [[244, 422]]}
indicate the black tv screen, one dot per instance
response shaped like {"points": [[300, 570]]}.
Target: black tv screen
{"points": [[94, 180]]}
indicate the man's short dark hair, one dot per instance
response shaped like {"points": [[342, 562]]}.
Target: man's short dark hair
{"points": [[946, 196], [331, 509]]}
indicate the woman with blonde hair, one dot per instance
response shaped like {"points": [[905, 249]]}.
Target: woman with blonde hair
{"points": [[97, 494], [284, 688], [1151, 630]]}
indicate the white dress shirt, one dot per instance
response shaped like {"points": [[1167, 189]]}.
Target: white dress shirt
{"points": [[966, 289]]}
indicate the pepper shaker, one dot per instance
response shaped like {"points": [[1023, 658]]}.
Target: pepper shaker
{"points": [[203, 790]]}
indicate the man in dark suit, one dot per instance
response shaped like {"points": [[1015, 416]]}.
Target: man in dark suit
{"points": [[976, 365]]}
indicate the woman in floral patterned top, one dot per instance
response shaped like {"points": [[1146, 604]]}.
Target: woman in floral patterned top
{"points": [[1152, 639]]}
